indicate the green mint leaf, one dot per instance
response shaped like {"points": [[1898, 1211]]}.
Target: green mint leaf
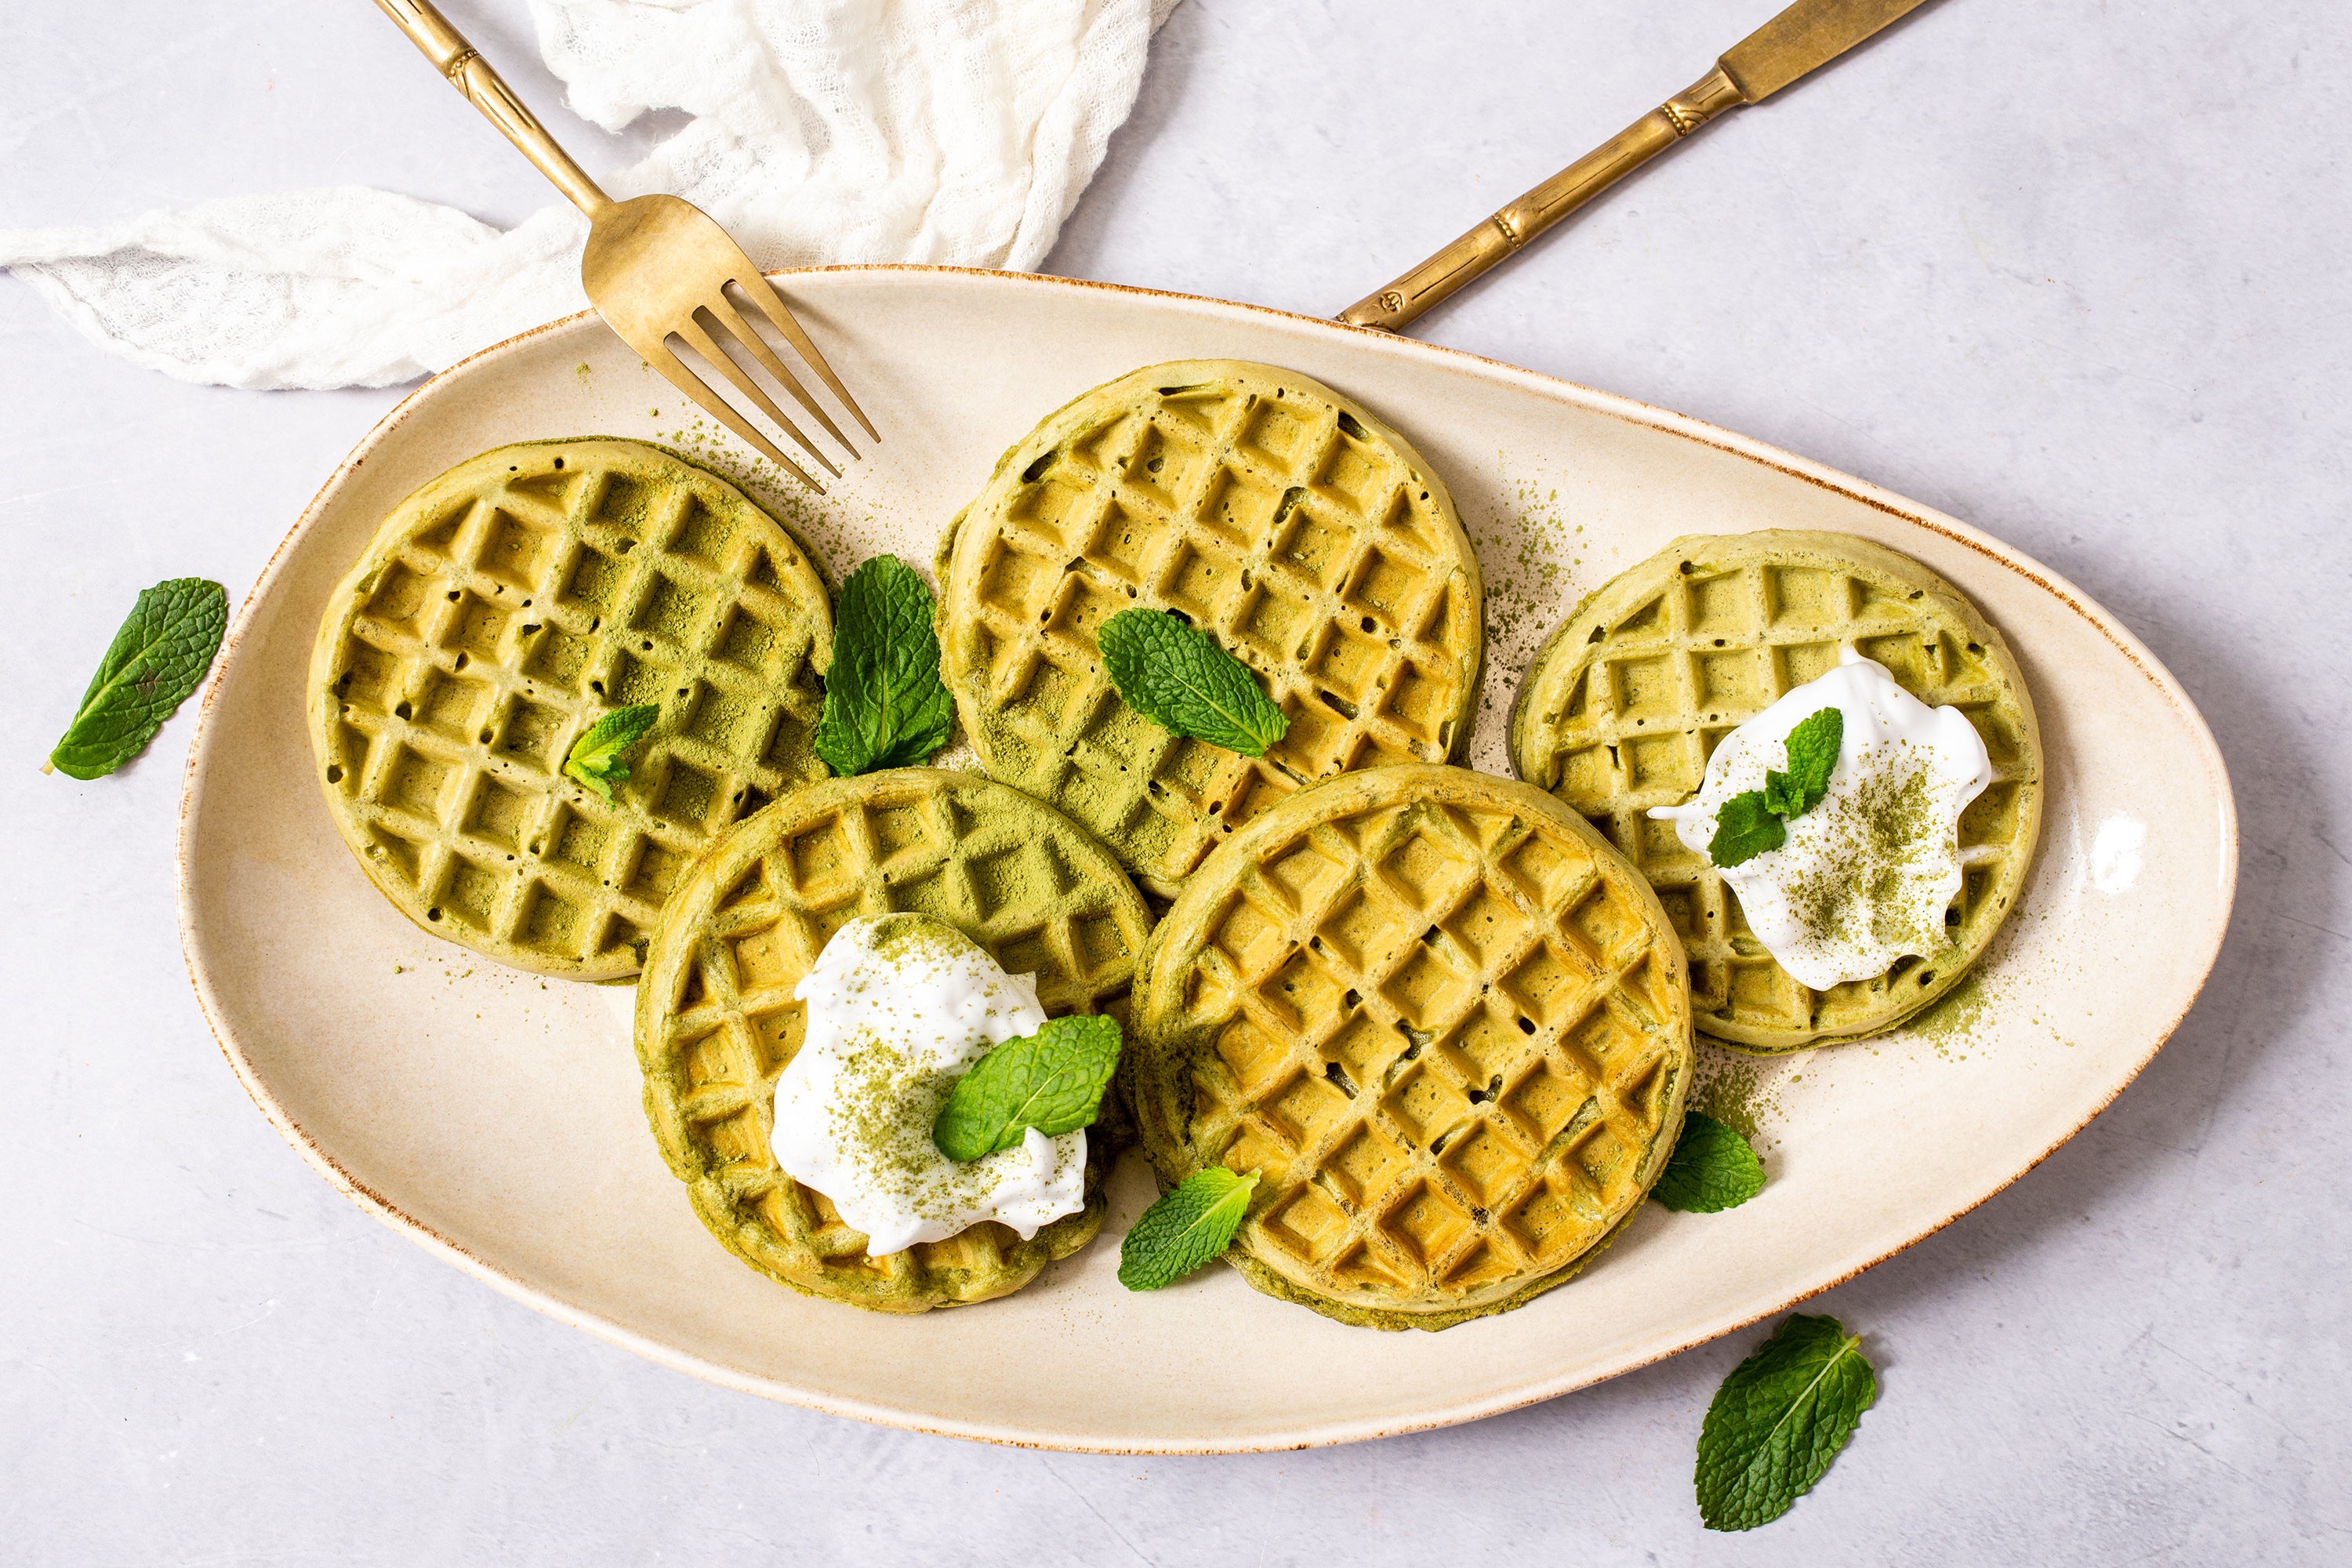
{"points": [[1778, 1420], [1756, 820], [1182, 681], [884, 704], [1185, 1228], [153, 662], [594, 759], [1712, 1169], [1052, 1081], [1812, 747], [1744, 828]]}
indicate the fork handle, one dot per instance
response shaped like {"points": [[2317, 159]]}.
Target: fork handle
{"points": [[471, 75]]}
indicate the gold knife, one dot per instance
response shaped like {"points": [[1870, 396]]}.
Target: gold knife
{"points": [[1809, 33]]}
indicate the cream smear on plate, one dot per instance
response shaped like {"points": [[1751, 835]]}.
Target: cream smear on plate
{"points": [[1864, 877], [899, 1006]]}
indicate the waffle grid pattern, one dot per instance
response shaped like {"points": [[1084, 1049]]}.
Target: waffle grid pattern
{"points": [[1448, 1029], [499, 613], [1672, 665], [717, 1022], [1258, 506]]}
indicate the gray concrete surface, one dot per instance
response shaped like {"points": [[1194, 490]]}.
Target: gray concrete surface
{"points": [[2071, 271]]}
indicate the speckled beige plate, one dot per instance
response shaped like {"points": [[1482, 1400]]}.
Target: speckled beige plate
{"points": [[494, 1116]]}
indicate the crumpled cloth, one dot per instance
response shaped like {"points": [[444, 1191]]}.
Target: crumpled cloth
{"points": [[955, 131]]}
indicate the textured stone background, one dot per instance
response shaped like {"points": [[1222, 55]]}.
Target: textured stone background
{"points": [[2068, 269]]}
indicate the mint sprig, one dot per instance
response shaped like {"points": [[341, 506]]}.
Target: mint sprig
{"points": [[1813, 755], [1778, 1420], [156, 659], [1712, 1169], [1756, 820], [594, 759], [1185, 1228], [1052, 1081], [1177, 677], [1744, 828], [884, 704]]}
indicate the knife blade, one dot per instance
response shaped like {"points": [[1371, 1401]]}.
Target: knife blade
{"points": [[1809, 34]]}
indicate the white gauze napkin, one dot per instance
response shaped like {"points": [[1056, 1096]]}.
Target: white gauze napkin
{"points": [[957, 132]]}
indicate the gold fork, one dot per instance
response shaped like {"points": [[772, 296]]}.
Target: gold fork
{"points": [[656, 268]]}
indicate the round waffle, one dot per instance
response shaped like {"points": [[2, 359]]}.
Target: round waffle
{"points": [[502, 610], [1268, 510], [1622, 709], [717, 1021], [1447, 1025]]}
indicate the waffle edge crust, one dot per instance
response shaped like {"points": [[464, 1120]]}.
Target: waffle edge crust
{"points": [[1444, 1021], [1621, 710], [1264, 507], [500, 610], [716, 1022]]}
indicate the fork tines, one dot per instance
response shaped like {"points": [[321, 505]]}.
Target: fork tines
{"points": [[718, 333]]}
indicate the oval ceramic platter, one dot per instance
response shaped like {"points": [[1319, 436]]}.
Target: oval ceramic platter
{"points": [[494, 1117]]}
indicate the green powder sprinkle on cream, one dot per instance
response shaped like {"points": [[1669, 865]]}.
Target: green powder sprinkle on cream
{"points": [[1877, 848]]}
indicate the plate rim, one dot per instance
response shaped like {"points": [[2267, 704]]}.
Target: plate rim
{"points": [[1311, 1435]]}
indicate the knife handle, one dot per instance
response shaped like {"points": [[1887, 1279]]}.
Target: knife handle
{"points": [[1394, 308], [471, 75]]}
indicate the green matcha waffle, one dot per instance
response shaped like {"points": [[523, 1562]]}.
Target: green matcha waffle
{"points": [[1622, 709], [497, 613], [717, 1023], [1447, 1025], [1265, 509]]}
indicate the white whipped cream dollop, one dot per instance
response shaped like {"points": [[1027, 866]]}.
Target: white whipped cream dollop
{"points": [[1865, 876], [898, 1007]]}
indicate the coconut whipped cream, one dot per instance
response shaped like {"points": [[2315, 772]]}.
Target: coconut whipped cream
{"points": [[898, 1007], [1865, 876]]}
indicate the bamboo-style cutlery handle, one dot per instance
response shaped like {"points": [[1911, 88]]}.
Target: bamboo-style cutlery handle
{"points": [[1396, 306], [1808, 34], [470, 74]]}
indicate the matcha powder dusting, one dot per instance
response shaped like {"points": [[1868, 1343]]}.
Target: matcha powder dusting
{"points": [[1879, 881]]}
